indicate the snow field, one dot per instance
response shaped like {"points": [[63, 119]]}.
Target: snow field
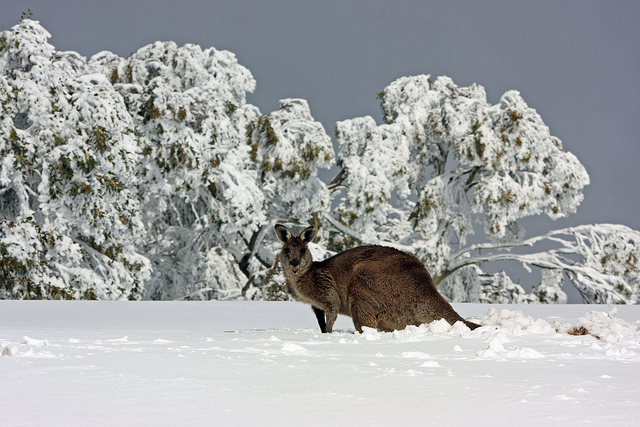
{"points": [[265, 363]]}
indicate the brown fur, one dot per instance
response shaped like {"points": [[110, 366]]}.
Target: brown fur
{"points": [[377, 286]]}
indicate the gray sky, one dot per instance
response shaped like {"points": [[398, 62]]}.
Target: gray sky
{"points": [[576, 62]]}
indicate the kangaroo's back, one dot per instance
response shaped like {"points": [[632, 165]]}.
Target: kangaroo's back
{"points": [[378, 286], [381, 261]]}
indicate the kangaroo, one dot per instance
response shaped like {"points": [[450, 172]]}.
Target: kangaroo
{"points": [[377, 286]]}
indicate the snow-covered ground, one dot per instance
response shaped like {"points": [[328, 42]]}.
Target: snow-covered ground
{"points": [[265, 363]]}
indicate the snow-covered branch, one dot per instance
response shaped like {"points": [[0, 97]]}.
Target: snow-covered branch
{"points": [[603, 259]]}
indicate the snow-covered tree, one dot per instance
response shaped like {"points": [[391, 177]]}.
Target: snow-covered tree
{"points": [[446, 157], [214, 170], [148, 176], [290, 146], [67, 176], [190, 111]]}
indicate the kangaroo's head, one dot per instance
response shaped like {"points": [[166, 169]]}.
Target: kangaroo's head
{"points": [[295, 256]]}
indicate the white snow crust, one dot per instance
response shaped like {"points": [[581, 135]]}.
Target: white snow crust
{"points": [[266, 363]]}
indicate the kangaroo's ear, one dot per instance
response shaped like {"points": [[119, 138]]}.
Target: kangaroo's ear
{"points": [[308, 234], [283, 233]]}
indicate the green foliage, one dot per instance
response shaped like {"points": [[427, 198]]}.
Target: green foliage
{"points": [[26, 15], [296, 168], [111, 183], [64, 168], [264, 127], [150, 111], [87, 163], [422, 209], [182, 114], [12, 270], [230, 108], [175, 155], [515, 116]]}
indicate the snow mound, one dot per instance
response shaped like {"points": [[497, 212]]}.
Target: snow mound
{"points": [[604, 326], [606, 334], [293, 349], [10, 350]]}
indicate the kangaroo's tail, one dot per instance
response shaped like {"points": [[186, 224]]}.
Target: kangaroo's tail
{"points": [[471, 325]]}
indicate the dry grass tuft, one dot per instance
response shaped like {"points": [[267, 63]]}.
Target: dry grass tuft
{"points": [[581, 331]]}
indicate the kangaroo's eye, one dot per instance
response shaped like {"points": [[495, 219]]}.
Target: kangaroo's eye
{"points": [[302, 251], [287, 252]]}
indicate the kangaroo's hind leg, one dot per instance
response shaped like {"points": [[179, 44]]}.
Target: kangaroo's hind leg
{"points": [[361, 318], [363, 310]]}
